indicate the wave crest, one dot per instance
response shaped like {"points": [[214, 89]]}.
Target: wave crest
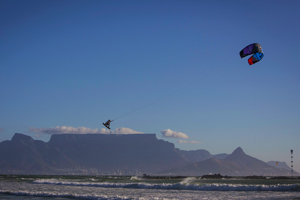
{"points": [[186, 184]]}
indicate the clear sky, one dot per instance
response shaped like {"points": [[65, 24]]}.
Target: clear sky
{"points": [[166, 67]]}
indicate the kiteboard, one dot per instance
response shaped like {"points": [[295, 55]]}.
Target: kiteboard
{"points": [[106, 126]]}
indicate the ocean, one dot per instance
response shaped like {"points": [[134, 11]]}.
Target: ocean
{"points": [[31, 187]]}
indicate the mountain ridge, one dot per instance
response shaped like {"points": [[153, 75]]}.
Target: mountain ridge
{"points": [[118, 154], [238, 163]]}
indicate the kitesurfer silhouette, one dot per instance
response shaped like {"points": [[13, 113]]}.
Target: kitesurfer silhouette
{"points": [[107, 124]]}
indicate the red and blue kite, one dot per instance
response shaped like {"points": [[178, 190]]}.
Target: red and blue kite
{"points": [[254, 49]]}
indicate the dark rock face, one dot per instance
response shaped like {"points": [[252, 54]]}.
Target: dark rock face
{"points": [[107, 151]]}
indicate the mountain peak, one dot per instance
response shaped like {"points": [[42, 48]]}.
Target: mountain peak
{"points": [[237, 155], [238, 151], [21, 137]]}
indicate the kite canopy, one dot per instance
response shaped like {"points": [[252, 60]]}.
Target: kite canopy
{"points": [[254, 49]]}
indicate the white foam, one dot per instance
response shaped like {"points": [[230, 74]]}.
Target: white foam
{"points": [[64, 195], [186, 184], [136, 178], [188, 180]]}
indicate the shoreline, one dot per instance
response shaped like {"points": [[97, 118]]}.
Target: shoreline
{"points": [[219, 176], [163, 177]]}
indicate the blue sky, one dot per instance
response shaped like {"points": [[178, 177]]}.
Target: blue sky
{"points": [[166, 67]]}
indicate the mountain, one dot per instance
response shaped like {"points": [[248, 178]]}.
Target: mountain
{"points": [[236, 164], [280, 165], [250, 165], [23, 154], [198, 155], [121, 154], [88, 154]]}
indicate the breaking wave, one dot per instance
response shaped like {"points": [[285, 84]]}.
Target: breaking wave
{"points": [[64, 195], [183, 185]]}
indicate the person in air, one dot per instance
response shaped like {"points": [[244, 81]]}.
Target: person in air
{"points": [[107, 124]]}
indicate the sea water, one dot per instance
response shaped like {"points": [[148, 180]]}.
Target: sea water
{"points": [[134, 187]]}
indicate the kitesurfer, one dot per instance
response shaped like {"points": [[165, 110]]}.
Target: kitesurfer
{"points": [[107, 124]]}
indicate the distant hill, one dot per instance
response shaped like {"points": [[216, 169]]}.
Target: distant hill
{"points": [[198, 155], [236, 164], [280, 165], [91, 154]]}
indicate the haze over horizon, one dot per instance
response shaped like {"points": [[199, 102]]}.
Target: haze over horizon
{"points": [[166, 67]]}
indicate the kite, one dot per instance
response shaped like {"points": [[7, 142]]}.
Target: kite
{"points": [[255, 50]]}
